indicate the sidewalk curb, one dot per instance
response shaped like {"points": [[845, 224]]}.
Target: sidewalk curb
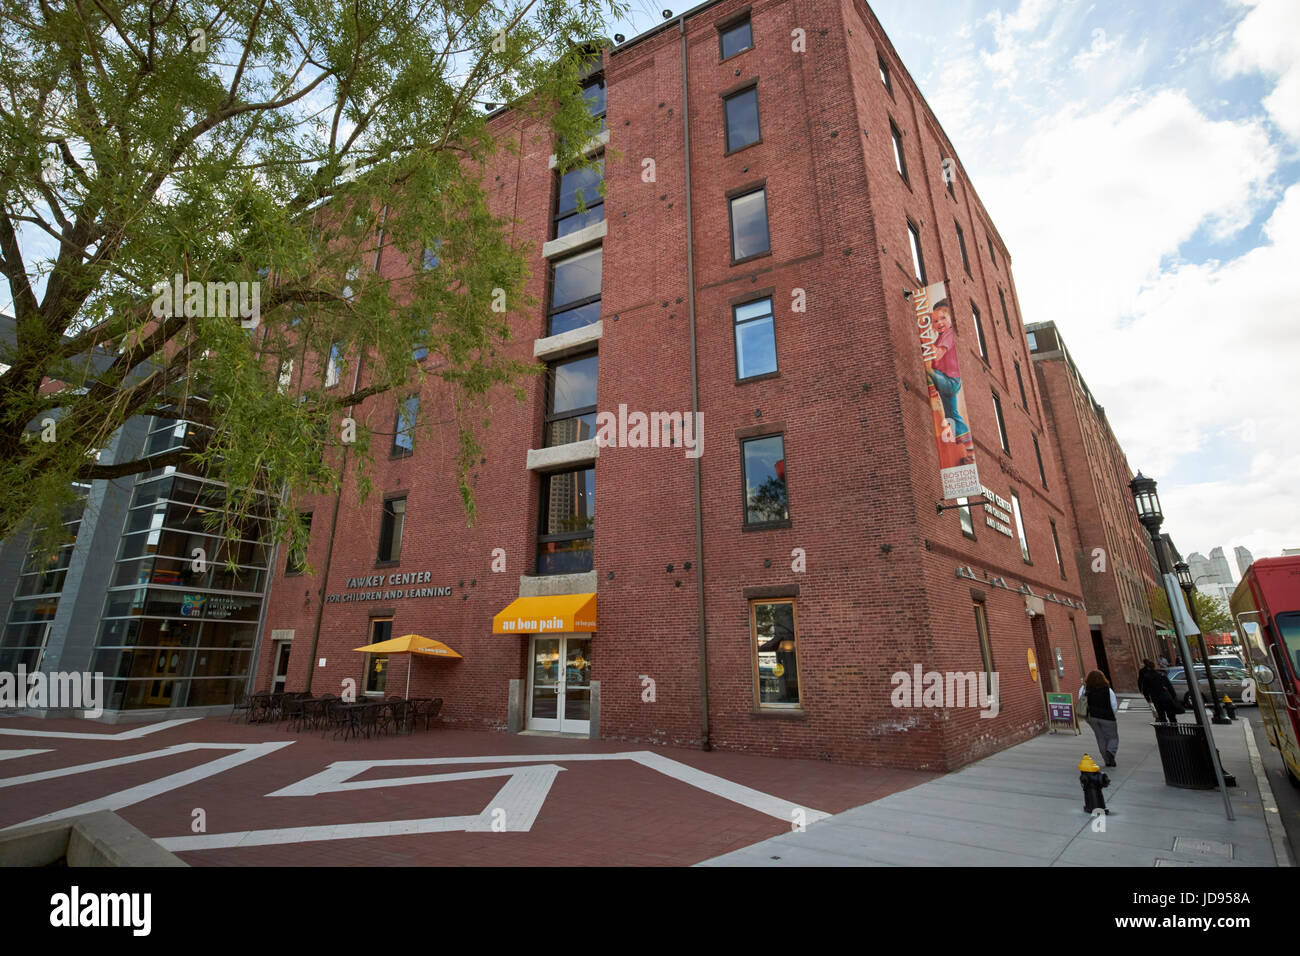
{"points": [[1276, 831]]}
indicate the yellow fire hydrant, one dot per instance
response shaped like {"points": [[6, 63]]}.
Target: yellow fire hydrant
{"points": [[1229, 708], [1092, 780]]}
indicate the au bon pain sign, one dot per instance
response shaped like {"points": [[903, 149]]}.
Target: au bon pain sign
{"points": [[936, 329]]}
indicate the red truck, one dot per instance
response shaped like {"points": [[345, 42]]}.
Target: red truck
{"points": [[1266, 610]]}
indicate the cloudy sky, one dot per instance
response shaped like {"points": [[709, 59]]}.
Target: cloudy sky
{"points": [[1141, 163]]}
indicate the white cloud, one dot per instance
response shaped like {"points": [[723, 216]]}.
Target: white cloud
{"points": [[1267, 40], [1099, 48]]}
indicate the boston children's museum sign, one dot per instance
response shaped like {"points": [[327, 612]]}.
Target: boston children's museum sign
{"points": [[391, 588]]}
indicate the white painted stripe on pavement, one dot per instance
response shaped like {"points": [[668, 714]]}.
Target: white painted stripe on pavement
{"points": [[131, 734]]}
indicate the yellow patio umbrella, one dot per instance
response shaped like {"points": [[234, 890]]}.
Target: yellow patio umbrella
{"points": [[409, 644]]}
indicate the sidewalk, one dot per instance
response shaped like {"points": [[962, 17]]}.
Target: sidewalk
{"points": [[1024, 807]]}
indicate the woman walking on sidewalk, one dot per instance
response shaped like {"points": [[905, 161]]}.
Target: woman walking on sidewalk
{"points": [[1101, 714]]}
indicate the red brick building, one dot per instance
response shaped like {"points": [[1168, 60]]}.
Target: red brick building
{"points": [[1114, 560], [751, 262]]}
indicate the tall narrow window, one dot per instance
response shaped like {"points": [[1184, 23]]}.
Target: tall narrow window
{"points": [[286, 376], [775, 643], [1006, 316], [736, 38], [918, 260], [992, 255], [568, 522], [986, 647], [579, 203], [571, 404], [1038, 456], [1020, 381], [961, 244], [1002, 425], [900, 161], [755, 338], [431, 258], [979, 332], [381, 629], [1056, 545], [1021, 533], [967, 520], [575, 291], [749, 232], [334, 367], [1032, 340], [296, 560], [390, 529], [404, 427], [884, 74], [593, 91], [766, 497], [741, 113]]}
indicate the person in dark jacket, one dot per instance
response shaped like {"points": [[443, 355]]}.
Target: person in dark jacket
{"points": [[1101, 714], [1154, 684]]}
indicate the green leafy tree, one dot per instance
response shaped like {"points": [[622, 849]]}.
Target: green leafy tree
{"points": [[1210, 611], [276, 143]]}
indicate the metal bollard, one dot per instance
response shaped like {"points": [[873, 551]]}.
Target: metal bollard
{"points": [[1092, 780]]}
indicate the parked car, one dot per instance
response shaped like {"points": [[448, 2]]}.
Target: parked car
{"points": [[1232, 681], [1227, 660]]}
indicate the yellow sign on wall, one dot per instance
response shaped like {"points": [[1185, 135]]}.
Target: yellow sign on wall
{"points": [[1033, 665]]}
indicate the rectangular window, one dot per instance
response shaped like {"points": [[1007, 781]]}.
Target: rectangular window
{"points": [[404, 427], [381, 629], [580, 188], [749, 235], [918, 260], [1038, 455], [776, 670], [992, 256], [979, 332], [568, 522], [755, 338], [419, 352], [571, 402], [1020, 381], [900, 162], [1056, 545], [1032, 339], [736, 38], [967, 521], [390, 529], [575, 291], [1006, 316], [1002, 425], [593, 91], [741, 113], [286, 376], [884, 74], [1020, 527], [766, 498], [334, 367], [986, 648], [431, 258], [961, 244], [294, 562]]}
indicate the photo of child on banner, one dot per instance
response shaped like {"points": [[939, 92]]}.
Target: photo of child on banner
{"points": [[952, 436]]}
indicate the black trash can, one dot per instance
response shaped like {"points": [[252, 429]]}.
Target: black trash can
{"points": [[1185, 756]]}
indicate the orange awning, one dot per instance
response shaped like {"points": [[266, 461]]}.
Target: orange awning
{"points": [[554, 614]]}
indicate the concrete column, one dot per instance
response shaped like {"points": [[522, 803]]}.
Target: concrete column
{"points": [[594, 731], [515, 708]]}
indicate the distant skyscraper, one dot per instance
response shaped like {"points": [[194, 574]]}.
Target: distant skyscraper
{"points": [[1244, 559], [1222, 573]]}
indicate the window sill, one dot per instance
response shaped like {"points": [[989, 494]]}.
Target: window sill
{"points": [[388, 564], [969, 534], [792, 713], [766, 525], [758, 378], [757, 255], [741, 149], [728, 59], [397, 455]]}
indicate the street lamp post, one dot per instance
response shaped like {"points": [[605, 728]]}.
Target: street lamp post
{"points": [[1189, 588], [1151, 516]]}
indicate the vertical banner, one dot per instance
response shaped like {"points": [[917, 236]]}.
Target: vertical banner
{"points": [[937, 330]]}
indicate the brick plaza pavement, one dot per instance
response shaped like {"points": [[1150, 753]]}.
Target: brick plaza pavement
{"points": [[268, 796]]}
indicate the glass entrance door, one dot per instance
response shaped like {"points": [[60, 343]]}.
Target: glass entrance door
{"points": [[559, 697]]}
